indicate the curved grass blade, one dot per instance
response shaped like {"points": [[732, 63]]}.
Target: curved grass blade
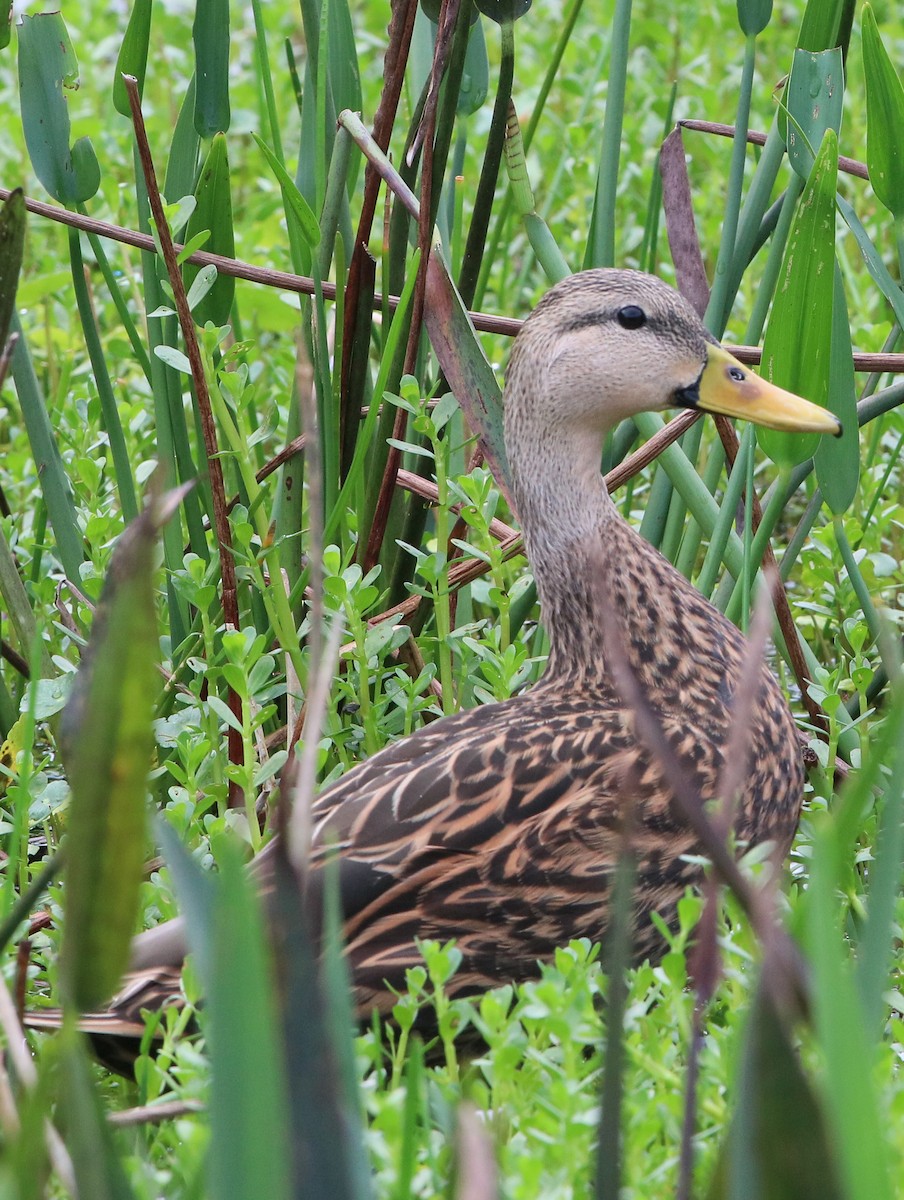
{"points": [[295, 204], [796, 348], [47, 64], [107, 740]]}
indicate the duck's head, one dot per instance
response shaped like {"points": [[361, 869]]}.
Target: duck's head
{"points": [[604, 344]]}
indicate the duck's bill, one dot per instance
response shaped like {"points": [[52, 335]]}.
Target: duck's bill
{"points": [[726, 386]]}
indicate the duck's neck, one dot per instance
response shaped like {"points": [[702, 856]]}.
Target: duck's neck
{"points": [[567, 517]]}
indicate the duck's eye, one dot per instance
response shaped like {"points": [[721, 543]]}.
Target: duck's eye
{"points": [[631, 316]]}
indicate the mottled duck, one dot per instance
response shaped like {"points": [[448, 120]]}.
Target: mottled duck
{"points": [[501, 826]]}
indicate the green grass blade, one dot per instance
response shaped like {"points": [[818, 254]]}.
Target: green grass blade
{"points": [[48, 461], [851, 1102], [122, 468], [600, 250], [876, 948], [108, 742], [210, 34], [249, 1137]]}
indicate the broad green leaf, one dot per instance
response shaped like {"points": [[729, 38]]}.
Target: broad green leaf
{"points": [[107, 739], [210, 33], [778, 1145], [47, 64], [12, 242], [754, 16], [133, 55], [825, 24], [214, 213], [797, 345], [295, 203], [884, 119], [814, 98], [182, 164], [6, 25], [249, 1140], [838, 459], [475, 79]]}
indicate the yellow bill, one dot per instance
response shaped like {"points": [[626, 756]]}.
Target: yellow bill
{"points": [[726, 386]]}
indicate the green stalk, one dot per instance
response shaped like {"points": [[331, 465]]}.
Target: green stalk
{"points": [[122, 468], [52, 475], [260, 34], [489, 174], [751, 561], [715, 553], [722, 296], [601, 243]]}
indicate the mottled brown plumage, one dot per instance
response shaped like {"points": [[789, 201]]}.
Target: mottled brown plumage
{"points": [[501, 826]]}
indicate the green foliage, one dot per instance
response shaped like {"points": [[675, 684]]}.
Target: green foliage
{"points": [[346, 443]]}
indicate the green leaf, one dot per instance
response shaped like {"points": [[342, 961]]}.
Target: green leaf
{"points": [[295, 203], [854, 1108], [475, 78], [754, 16], [778, 1145], [826, 23], [210, 33], [503, 11], [249, 1142], [814, 99], [838, 459], [880, 274], [12, 243], [47, 64], [884, 118], [213, 212], [133, 55], [107, 740], [182, 164], [797, 345]]}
